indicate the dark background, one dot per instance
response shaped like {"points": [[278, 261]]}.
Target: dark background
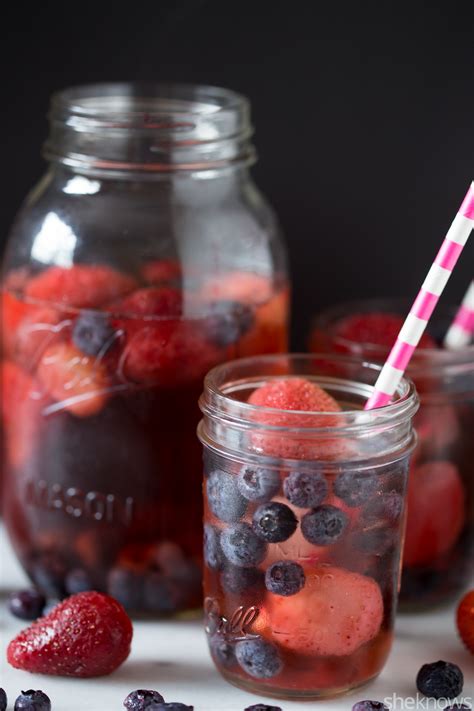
{"points": [[364, 115]]}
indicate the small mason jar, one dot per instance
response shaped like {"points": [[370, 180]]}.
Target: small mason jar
{"points": [[144, 256], [304, 519], [439, 542]]}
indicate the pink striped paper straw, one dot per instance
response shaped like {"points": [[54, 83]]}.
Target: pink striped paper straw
{"points": [[461, 330], [424, 304]]}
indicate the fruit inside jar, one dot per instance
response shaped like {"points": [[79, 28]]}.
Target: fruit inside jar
{"points": [[102, 372]]}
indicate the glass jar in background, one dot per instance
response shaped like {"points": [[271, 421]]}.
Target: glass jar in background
{"points": [[145, 256], [304, 518], [439, 543]]}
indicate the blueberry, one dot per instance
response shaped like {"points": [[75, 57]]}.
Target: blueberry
{"points": [[274, 522], [228, 321], [126, 586], [262, 707], [32, 701], [235, 580], [440, 680], [141, 699], [92, 333], [27, 604], [78, 581], [457, 707], [48, 572], [257, 484], [162, 595], [225, 500], [324, 525], [223, 652], [374, 541], [241, 546], [258, 658], [383, 508], [170, 706], [212, 547], [369, 706], [355, 487], [3, 700], [305, 490], [285, 577]]}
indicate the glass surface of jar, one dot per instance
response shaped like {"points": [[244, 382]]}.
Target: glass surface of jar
{"points": [[439, 543], [144, 256], [304, 520]]}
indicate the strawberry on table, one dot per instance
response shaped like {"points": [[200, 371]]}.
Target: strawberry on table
{"points": [[465, 620], [87, 635]]}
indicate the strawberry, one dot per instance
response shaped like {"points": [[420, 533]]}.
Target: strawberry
{"points": [[81, 286], [436, 512], [151, 301], [465, 620], [246, 287], [76, 381], [87, 635], [378, 329], [334, 614], [160, 271]]}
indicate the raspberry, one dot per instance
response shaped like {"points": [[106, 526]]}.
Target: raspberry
{"points": [[77, 382], [334, 614], [81, 286], [87, 635], [378, 329], [465, 620], [436, 512]]}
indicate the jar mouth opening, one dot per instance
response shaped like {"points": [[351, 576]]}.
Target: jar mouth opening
{"points": [[223, 382]]}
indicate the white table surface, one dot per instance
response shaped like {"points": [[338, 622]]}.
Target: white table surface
{"points": [[172, 658]]}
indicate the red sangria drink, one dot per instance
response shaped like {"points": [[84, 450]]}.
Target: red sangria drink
{"points": [[304, 497], [145, 257], [439, 542]]}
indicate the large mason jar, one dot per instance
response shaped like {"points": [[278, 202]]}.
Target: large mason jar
{"points": [[144, 256]]}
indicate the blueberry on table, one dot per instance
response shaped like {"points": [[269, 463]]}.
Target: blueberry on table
{"points": [[368, 705], [92, 333], [3, 700], [262, 707], [223, 652], [241, 546], [225, 500], [212, 547], [285, 577], [355, 487], [27, 604], [142, 699], [306, 490], [235, 580], [258, 658], [440, 680], [324, 525], [257, 484], [274, 522], [170, 706], [228, 321], [32, 701]]}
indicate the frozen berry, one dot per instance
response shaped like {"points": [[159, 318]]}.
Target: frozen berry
{"points": [[78, 581], [169, 706], [383, 508], [3, 700], [87, 635], [285, 577], [161, 271], [150, 301], [227, 321], [93, 333], [161, 595], [355, 487], [258, 658], [465, 620], [262, 707], [32, 701], [274, 522], [83, 285], [257, 484], [373, 541], [335, 613], [324, 525], [235, 580], [306, 490], [27, 604], [126, 586], [224, 498], [440, 680], [141, 699], [376, 328], [369, 706], [223, 652], [241, 546], [293, 394], [212, 547]]}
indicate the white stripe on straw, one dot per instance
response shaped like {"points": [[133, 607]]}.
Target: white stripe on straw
{"points": [[461, 331], [424, 304]]}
